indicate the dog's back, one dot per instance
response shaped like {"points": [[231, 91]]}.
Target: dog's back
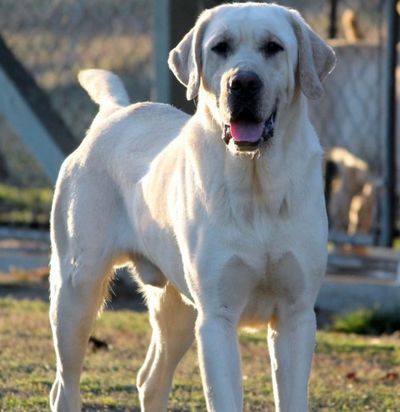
{"points": [[124, 137]]}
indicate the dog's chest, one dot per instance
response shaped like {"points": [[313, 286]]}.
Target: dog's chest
{"points": [[289, 257], [286, 277], [257, 199]]}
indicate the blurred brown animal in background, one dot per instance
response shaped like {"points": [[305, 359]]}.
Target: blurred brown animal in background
{"points": [[351, 192], [350, 26]]}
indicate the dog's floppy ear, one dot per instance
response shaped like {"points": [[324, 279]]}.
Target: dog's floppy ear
{"points": [[185, 59], [315, 58]]}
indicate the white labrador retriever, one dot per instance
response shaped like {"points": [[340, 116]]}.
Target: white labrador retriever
{"points": [[222, 213]]}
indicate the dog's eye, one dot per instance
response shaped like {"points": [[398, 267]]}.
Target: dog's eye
{"points": [[221, 48], [272, 48]]}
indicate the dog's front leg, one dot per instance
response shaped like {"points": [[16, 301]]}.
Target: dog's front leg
{"points": [[291, 339], [219, 360], [220, 289]]}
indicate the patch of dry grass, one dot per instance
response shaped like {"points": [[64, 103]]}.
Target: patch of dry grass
{"points": [[351, 373]]}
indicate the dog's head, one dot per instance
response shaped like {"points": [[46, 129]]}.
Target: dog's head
{"points": [[246, 61]]}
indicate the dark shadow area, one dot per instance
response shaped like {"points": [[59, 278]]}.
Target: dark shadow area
{"points": [[34, 284]]}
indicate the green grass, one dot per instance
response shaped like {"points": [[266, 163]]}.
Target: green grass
{"points": [[368, 322], [25, 206], [350, 372]]}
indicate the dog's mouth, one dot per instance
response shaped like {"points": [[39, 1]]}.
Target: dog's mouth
{"points": [[248, 133]]}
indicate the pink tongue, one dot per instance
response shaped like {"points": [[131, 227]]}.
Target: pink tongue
{"points": [[246, 132]]}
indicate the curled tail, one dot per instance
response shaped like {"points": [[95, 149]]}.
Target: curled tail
{"points": [[105, 89]]}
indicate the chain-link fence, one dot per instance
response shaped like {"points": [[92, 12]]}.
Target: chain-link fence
{"points": [[351, 116], [54, 39]]}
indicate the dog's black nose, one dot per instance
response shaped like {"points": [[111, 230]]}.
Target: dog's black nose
{"points": [[245, 84]]}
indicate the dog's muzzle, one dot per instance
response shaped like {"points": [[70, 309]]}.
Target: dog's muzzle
{"points": [[246, 127], [248, 135]]}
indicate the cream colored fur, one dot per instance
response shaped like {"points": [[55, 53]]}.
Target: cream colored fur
{"points": [[218, 238]]}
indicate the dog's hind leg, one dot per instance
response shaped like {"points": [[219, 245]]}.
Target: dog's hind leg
{"points": [[77, 292], [82, 250], [173, 323]]}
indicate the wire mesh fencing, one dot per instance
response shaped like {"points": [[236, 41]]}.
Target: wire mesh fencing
{"points": [[351, 118], [54, 39]]}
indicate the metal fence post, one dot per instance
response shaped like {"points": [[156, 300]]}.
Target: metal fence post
{"points": [[333, 19], [388, 212], [173, 19], [161, 37]]}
